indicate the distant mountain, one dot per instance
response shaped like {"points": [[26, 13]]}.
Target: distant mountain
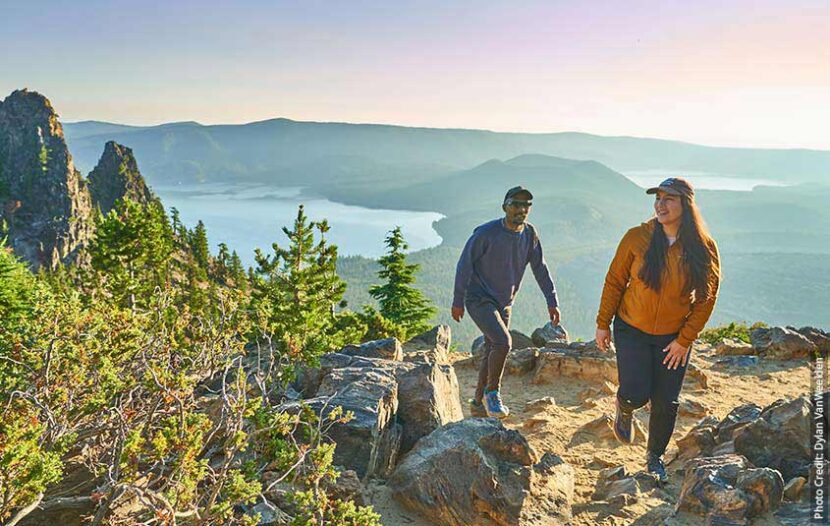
{"points": [[272, 150], [79, 130]]}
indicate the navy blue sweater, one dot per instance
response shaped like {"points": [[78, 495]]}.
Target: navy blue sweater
{"points": [[494, 261]]}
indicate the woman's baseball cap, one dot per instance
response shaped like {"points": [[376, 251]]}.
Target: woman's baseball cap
{"points": [[674, 186]]}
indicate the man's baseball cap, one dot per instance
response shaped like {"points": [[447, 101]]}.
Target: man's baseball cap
{"points": [[517, 191], [674, 186]]}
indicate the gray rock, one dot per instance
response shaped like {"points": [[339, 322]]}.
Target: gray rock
{"points": [[428, 398], [369, 443], [521, 361], [388, 349], [692, 407], [519, 341], [820, 338], [765, 488], [439, 337], [549, 334], [731, 347], [308, 378], [725, 487], [590, 347], [737, 419], [496, 478], [591, 366], [793, 489], [781, 343], [779, 438], [116, 177], [347, 487], [432, 346], [44, 200], [700, 440], [737, 361]]}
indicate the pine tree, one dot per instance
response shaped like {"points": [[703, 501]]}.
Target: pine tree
{"points": [[296, 290], [237, 273], [131, 251], [399, 301], [199, 245]]}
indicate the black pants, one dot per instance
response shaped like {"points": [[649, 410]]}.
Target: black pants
{"points": [[494, 323], [644, 378]]}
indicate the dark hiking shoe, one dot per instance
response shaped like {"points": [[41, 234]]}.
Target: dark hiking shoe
{"points": [[655, 466], [477, 409], [624, 425], [494, 406]]}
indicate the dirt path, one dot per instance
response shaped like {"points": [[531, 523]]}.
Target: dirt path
{"points": [[557, 429]]}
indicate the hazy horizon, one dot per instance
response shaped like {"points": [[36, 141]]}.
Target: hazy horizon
{"points": [[747, 74]]}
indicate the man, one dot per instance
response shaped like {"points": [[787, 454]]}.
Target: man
{"points": [[487, 279]]}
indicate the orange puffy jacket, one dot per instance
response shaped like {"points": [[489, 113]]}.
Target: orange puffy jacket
{"points": [[665, 312]]}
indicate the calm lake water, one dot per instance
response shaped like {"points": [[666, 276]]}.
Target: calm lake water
{"points": [[700, 180], [247, 217]]}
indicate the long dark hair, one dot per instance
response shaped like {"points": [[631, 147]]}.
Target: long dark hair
{"points": [[697, 259]]}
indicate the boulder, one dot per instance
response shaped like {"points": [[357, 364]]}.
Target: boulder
{"points": [[732, 347], [615, 482], [388, 349], [432, 346], [438, 337], [549, 334], [737, 419], [496, 478], [591, 366], [725, 487], [519, 341], [765, 488], [699, 441], [692, 407], [428, 398], [779, 438], [308, 378], [819, 338], [794, 488], [347, 487], [781, 343], [590, 347], [369, 443], [521, 361]]}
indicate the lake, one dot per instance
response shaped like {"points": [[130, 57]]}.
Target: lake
{"points": [[700, 180], [249, 216]]}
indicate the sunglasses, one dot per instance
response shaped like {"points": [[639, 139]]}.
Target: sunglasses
{"points": [[519, 204]]}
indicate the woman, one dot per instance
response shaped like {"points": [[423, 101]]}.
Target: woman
{"points": [[660, 289]]}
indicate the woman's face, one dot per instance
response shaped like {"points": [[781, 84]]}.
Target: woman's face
{"points": [[669, 208]]}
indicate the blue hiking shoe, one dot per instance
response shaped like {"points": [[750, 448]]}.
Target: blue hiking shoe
{"points": [[624, 424], [477, 409], [494, 406], [655, 466]]}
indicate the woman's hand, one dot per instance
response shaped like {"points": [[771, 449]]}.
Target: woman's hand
{"points": [[676, 355], [603, 338]]}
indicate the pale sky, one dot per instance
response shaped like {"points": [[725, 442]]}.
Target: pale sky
{"points": [[732, 73]]}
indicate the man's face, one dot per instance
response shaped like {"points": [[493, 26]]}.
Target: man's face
{"points": [[516, 210]]}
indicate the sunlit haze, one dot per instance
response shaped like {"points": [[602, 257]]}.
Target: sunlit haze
{"points": [[742, 73]]}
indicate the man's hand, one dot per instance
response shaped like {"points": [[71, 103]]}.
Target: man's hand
{"points": [[554, 315], [676, 355], [457, 313], [603, 339]]}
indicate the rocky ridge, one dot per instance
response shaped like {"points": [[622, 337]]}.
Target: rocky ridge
{"points": [[45, 203]]}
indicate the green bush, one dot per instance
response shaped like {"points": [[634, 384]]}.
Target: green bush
{"points": [[735, 330]]}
